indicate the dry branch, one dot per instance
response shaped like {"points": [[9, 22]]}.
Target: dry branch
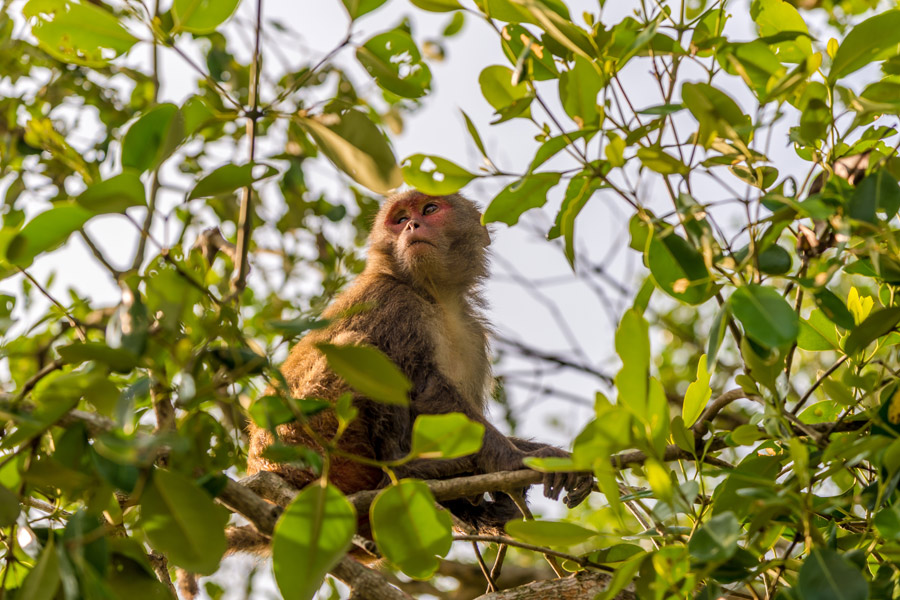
{"points": [[577, 587]]}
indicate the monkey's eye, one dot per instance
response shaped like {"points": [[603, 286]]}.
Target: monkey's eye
{"points": [[403, 219], [429, 208]]}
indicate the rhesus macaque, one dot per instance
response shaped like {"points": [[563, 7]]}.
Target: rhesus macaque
{"points": [[426, 260]]}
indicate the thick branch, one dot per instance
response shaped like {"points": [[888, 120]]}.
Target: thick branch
{"points": [[582, 585], [365, 583]]}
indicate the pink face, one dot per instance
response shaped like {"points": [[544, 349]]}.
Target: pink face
{"points": [[418, 222]]}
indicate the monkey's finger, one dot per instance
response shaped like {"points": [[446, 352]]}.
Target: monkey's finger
{"points": [[548, 484], [559, 484], [579, 492]]}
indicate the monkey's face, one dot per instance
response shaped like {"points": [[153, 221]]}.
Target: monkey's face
{"points": [[432, 239], [419, 226]]}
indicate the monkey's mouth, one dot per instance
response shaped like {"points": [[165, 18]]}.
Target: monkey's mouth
{"points": [[414, 242]]}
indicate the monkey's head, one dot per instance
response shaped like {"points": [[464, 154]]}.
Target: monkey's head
{"points": [[437, 242]]}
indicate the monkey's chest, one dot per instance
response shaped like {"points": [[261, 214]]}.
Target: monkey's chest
{"points": [[461, 355]]}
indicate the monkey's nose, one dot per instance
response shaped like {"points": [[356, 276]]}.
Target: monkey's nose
{"points": [[412, 224]]}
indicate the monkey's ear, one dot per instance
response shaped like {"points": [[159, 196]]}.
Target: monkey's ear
{"points": [[486, 236]]}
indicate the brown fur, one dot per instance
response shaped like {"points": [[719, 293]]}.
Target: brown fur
{"points": [[424, 313]]}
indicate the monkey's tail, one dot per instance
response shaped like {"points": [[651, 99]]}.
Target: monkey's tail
{"points": [[247, 539]]}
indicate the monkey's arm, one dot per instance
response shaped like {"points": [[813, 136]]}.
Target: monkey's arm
{"points": [[577, 483], [498, 452]]}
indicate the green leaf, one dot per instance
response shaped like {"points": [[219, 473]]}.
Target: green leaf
{"points": [[662, 109], [553, 17], [549, 533], [312, 536], [554, 146], [744, 435], [615, 553], [767, 318], [519, 196], [615, 150], [447, 435], [887, 521], [774, 260], [438, 176], [470, 126], [196, 112], [153, 137], [826, 575], [409, 529], [679, 269], [660, 479], [717, 334], [498, 89], [874, 39], [81, 34], [531, 57], [834, 308], [623, 576], [656, 159], [578, 89], [356, 146], [183, 522], [580, 189], [455, 25], [393, 60], [811, 339], [228, 178], [437, 5], [551, 464], [201, 16], [47, 231], [718, 115], [697, 395], [369, 372], [270, 411], [44, 578], [9, 507], [753, 474], [877, 324], [115, 194], [117, 359], [633, 347], [717, 539], [358, 8], [878, 192], [777, 16]]}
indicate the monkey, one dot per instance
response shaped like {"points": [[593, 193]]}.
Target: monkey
{"points": [[420, 289]]}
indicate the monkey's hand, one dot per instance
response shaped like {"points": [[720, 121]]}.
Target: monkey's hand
{"points": [[578, 484]]}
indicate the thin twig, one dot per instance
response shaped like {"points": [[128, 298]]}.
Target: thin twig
{"points": [[305, 77], [245, 221], [492, 585], [818, 382], [498, 562], [500, 539], [72, 320], [34, 379], [116, 273]]}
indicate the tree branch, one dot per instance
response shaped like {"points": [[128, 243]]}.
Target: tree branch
{"points": [[702, 425], [587, 584]]}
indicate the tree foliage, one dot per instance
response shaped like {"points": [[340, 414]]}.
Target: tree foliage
{"points": [[755, 451]]}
